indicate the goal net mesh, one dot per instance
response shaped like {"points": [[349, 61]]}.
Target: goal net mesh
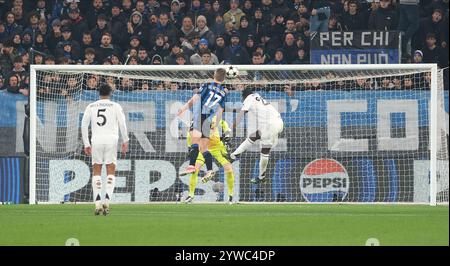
{"points": [[349, 136]]}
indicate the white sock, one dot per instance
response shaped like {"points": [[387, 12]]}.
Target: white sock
{"points": [[97, 190], [243, 147], [110, 183], [263, 162]]}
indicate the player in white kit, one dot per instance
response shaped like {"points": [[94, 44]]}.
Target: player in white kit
{"points": [[106, 118], [265, 124]]}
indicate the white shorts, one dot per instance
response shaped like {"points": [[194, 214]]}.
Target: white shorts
{"points": [[104, 154], [269, 133]]}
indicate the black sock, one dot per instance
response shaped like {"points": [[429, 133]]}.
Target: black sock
{"points": [[193, 154], [208, 160]]}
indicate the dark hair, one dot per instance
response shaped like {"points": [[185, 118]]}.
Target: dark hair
{"points": [[430, 35], [104, 90], [14, 76], [50, 57], [8, 43], [102, 17], [257, 54], [62, 60], [32, 14], [107, 33], [246, 92], [207, 51], [89, 51], [17, 59]]}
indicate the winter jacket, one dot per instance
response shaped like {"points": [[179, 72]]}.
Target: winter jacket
{"points": [[383, 19], [104, 52], [118, 26], [169, 30], [353, 22], [78, 26], [207, 34], [236, 55], [140, 30], [436, 55]]}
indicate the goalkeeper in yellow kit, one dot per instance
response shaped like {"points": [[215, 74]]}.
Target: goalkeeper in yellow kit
{"points": [[218, 148]]}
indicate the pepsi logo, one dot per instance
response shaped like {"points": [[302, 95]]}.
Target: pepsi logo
{"points": [[324, 180]]}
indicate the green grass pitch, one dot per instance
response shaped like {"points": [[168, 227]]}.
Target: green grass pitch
{"points": [[214, 224]]}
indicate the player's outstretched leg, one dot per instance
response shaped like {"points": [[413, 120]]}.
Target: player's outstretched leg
{"points": [[242, 148], [248, 142]]}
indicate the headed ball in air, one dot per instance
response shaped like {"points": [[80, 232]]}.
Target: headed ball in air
{"points": [[232, 72]]}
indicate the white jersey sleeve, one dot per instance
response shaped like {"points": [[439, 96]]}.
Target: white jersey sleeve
{"points": [[122, 124], [85, 126], [105, 118], [248, 103]]}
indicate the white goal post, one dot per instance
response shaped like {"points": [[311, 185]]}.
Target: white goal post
{"points": [[353, 133]]}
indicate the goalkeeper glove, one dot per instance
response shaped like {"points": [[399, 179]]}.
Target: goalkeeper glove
{"points": [[225, 138]]}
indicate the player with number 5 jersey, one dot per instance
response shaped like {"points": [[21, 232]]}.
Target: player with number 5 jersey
{"points": [[207, 102], [106, 118]]}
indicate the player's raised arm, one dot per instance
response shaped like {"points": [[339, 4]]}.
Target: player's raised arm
{"points": [[189, 104], [85, 129], [245, 106]]}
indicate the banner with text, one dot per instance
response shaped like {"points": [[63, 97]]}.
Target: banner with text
{"points": [[356, 47]]}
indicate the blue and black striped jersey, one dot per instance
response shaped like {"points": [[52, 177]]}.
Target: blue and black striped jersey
{"points": [[212, 95]]}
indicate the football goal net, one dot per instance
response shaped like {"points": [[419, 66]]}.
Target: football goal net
{"points": [[352, 133]]}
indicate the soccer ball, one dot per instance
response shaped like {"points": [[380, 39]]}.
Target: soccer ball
{"points": [[232, 72]]}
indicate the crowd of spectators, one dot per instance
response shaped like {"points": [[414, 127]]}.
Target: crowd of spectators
{"points": [[201, 32]]}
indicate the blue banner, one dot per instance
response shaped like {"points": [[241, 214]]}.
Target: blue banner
{"points": [[307, 104], [310, 108], [348, 56]]}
